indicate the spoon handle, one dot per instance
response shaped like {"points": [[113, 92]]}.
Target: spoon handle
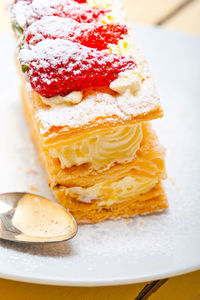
{"points": [[150, 288]]}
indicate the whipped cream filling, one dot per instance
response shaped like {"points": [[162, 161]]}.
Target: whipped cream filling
{"points": [[117, 13], [101, 150], [108, 193], [127, 82], [100, 3], [72, 98]]}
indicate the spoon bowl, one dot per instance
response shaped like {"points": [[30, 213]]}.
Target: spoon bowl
{"points": [[29, 218]]}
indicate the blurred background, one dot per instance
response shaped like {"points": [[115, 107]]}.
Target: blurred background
{"points": [[179, 15]]}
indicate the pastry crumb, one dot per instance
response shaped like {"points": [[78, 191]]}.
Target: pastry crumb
{"points": [[141, 223], [172, 180], [33, 188], [128, 221], [31, 171]]}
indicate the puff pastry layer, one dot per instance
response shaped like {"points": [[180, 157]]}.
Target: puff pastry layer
{"points": [[148, 165]]}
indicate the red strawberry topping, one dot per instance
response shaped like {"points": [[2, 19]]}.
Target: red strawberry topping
{"points": [[92, 35], [33, 10], [81, 1], [83, 14], [28, 1], [58, 67], [102, 35]]}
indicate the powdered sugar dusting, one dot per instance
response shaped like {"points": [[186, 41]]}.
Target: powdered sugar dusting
{"points": [[95, 106], [51, 26], [93, 35], [24, 13], [102, 105], [99, 105], [57, 67], [50, 52], [146, 99]]}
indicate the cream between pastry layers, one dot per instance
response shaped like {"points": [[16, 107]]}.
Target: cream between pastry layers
{"points": [[102, 158]]}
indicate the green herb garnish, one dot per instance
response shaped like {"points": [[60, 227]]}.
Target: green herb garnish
{"points": [[24, 68], [17, 29]]}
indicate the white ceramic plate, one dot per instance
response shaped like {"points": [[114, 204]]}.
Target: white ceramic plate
{"points": [[119, 252]]}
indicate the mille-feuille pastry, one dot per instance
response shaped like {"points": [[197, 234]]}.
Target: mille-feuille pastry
{"points": [[89, 96]]}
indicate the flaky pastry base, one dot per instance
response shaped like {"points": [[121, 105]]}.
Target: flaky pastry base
{"points": [[149, 161]]}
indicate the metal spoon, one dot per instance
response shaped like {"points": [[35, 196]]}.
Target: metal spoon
{"points": [[30, 218]]}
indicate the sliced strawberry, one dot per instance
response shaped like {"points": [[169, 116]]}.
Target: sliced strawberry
{"points": [[92, 35], [33, 10], [58, 67], [81, 14], [81, 1], [51, 27], [28, 1], [101, 35]]}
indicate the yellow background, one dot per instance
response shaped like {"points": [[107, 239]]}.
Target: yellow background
{"points": [[172, 14]]}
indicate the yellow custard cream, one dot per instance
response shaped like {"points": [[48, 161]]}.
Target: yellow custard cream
{"points": [[99, 3], [102, 150], [109, 193]]}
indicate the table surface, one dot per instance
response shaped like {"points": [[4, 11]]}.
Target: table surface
{"points": [[179, 15]]}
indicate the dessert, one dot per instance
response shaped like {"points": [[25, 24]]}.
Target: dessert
{"points": [[89, 98]]}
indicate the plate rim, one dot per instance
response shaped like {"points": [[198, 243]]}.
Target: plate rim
{"points": [[98, 283]]}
